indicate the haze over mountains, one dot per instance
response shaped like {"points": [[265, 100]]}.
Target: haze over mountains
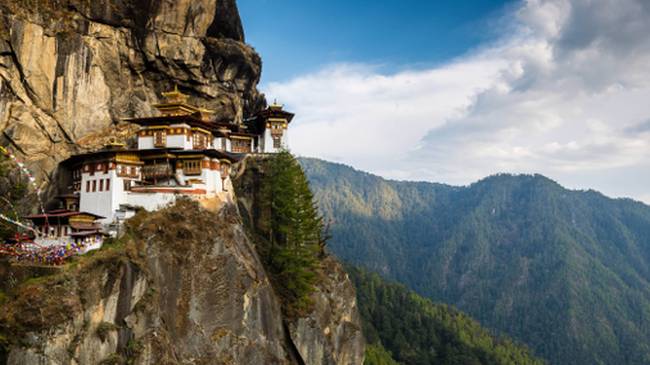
{"points": [[566, 272]]}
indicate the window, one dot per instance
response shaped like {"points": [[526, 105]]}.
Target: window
{"points": [[94, 186], [277, 142], [160, 139], [101, 184], [87, 186], [192, 167], [127, 185], [108, 184], [241, 145], [199, 141]]}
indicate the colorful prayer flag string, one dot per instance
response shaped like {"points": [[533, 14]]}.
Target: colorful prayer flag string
{"points": [[32, 180], [15, 222]]}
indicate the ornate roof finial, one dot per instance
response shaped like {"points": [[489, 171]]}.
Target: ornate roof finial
{"points": [[275, 104], [175, 103], [175, 97]]}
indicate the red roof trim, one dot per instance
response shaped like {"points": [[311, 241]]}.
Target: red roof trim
{"points": [[59, 213]]}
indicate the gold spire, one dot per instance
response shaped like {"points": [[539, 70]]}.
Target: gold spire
{"points": [[275, 105], [175, 104], [175, 97]]}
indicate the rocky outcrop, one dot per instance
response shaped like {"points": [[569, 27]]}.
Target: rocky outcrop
{"points": [[71, 69], [185, 287], [330, 334]]}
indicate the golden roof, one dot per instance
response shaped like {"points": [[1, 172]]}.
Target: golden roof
{"points": [[275, 105], [175, 96], [176, 104]]}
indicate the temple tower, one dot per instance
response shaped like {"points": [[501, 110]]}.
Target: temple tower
{"points": [[276, 122]]}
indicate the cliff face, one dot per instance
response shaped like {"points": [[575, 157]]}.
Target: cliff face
{"points": [[331, 333], [186, 287], [70, 69]]}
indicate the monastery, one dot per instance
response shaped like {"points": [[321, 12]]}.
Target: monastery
{"points": [[181, 152]]}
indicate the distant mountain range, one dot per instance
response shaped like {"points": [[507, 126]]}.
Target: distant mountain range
{"points": [[565, 272]]}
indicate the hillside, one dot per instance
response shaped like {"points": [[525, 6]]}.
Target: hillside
{"points": [[416, 331], [566, 272]]}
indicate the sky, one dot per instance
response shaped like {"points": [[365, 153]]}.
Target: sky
{"points": [[453, 91]]}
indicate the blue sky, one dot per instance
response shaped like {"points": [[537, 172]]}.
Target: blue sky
{"points": [[453, 91], [298, 36]]}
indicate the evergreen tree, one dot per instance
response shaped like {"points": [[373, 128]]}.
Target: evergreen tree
{"points": [[376, 354], [566, 272], [403, 328], [295, 231]]}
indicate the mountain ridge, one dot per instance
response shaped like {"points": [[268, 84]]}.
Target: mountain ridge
{"points": [[520, 253], [312, 160]]}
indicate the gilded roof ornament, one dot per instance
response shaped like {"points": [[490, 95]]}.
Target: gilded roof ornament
{"points": [[275, 105], [175, 96]]}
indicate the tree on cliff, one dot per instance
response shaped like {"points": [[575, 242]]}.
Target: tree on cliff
{"points": [[295, 237], [15, 197]]}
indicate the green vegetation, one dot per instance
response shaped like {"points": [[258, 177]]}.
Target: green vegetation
{"points": [[46, 301], [418, 332], [16, 199], [294, 238], [376, 354], [566, 272], [104, 329], [114, 359]]}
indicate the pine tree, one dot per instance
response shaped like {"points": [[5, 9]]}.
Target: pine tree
{"points": [[295, 237]]}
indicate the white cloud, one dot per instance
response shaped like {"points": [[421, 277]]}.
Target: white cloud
{"points": [[566, 95]]}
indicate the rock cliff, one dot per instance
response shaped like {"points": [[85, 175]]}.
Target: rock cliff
{"points": [[71, 69], [331, 332], [185, 286]]}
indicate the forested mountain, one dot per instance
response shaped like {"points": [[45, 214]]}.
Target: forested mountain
{"points": [[566, 272], [402, 327]]}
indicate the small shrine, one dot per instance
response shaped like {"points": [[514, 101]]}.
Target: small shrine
{"points": [[79, 228]]}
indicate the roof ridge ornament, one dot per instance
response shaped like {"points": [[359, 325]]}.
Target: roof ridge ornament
{"points": [[175, 103], [275, 105], [175, 96]]}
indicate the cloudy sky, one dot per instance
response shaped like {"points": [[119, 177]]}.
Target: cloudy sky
{"points": [[437, 91]]}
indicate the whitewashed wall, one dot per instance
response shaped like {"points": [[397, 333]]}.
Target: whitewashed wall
{"points": [[150, 201], [145, 143], [98, 202]]}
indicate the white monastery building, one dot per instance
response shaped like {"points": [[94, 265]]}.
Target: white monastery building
{"points": [[182, 151]]}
